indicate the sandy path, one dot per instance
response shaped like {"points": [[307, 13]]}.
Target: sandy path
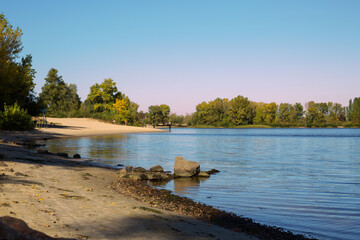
{"points": [[66, 198]]}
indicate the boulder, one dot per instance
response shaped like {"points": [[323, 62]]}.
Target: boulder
{"points": [[14, 228], [128, 169], [203, 174], [77, 156], [139, 170], [157, 168], [185, 168], [138, 176]]}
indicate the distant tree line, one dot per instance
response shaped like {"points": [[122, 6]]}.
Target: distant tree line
{"points": [[18, 102], [240, 111]]}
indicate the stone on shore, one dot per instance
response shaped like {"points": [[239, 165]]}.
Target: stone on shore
{"points": [[77, 156], [203, 174], [212, 171], [185, 168], [157, 168], [14, 228], [139, 170]]}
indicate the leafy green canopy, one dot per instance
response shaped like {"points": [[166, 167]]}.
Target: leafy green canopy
{"points": [[15, 118], [16, 78], [159, 114], [58, 96]]}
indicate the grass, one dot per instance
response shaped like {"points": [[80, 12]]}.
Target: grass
{"points": [[253, 126], [66, 196], [149, 210]]}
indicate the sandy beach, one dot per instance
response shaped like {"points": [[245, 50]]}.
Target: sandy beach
{"points": [[69, 198]]}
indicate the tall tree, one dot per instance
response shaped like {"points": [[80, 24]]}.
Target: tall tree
{"points": [[58, 96], [241, 111], [103, 96], [16, 78]]}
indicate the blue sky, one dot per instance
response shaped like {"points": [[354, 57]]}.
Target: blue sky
{"points": [[184, 52]]}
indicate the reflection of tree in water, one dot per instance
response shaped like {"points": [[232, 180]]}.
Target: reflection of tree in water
{"points": [[111, 149], [184, 185]]}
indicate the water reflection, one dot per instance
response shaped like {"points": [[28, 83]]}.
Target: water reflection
{"points": [[180, 186]]}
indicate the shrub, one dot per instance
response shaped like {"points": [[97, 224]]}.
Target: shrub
{"points": [[15, 118]]}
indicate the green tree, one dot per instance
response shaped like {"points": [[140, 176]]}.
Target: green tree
{"points": [[154, 115], [164, 113], [241, 111], [353, 110], [59, 97], [315, 114], [16, 78], [103, 96]]}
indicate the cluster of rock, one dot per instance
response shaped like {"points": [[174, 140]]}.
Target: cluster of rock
{"points": [[182, 168], [58, 154]]}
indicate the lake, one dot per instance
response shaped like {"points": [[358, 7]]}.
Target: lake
{"points": [[303, 180]]}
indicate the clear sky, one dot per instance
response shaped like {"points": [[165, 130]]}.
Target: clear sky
{"points": [[184, 52]]}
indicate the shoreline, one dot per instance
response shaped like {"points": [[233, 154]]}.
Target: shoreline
{"points": [[28, 194]]}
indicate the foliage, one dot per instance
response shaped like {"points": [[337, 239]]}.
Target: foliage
{"points": [[59, 97], [16, 77], [15, 118], [123, 108], [241, 111], [159, 114], [103, 96], [353, 110]]}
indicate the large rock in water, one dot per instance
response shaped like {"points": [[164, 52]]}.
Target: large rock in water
{"points": [[185, 168]]}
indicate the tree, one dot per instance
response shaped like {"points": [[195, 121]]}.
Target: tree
{"points": [[123, 108], [154, 115], [353, 111], [313, 114], [58, 96], [103, 96], [164, 113], [241, 111], [16, 78]]}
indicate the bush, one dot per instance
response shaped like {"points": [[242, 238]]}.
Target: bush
{"points": [[15, 118]]}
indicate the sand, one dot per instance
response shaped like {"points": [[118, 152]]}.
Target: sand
{"points": [[71, 198]]}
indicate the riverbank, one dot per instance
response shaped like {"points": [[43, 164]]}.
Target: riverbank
{"points": [[70, 198], [72, 127], [64, 197]]}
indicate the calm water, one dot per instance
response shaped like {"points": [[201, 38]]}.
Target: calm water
{"points": [[304, 180]]}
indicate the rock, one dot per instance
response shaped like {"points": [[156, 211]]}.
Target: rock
{"points": [[185, 168], [154, 177], [77, 156], [122, 171], [128, 169], [139, 176], [13, 229], [139, 170], [157, 168], [203, 174], [62, 154], [2, 164], [212, 171], [43, 151], [119, 165]]}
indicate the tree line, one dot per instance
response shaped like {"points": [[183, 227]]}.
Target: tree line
{"points": [[18, 101], [240, 111]]}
